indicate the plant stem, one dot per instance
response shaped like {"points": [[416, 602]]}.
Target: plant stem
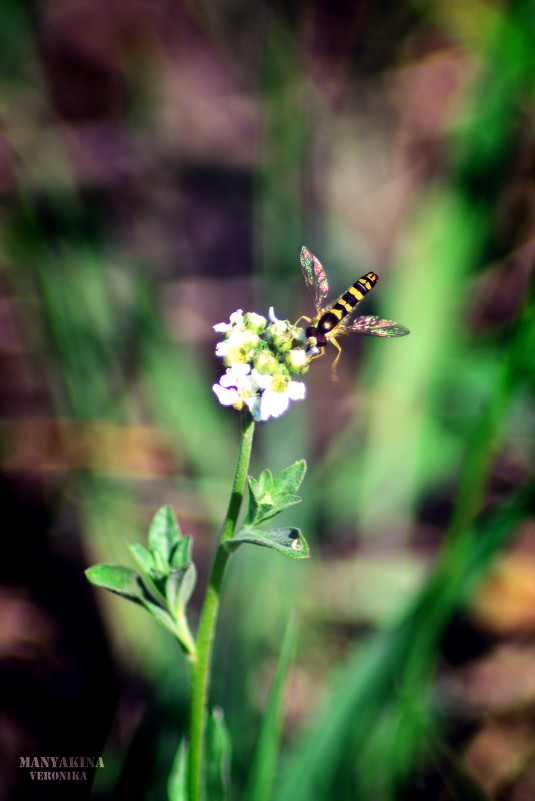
{"points": [[205, 636]]}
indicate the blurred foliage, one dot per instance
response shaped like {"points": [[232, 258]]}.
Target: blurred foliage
{"points": [[160, 166]]}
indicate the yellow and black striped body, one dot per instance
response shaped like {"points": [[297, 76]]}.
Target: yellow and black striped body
{"points": [[326, 325]]}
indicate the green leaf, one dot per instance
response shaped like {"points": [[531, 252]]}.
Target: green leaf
{"points": [[155, 582], [172, 587], [142, 556], [265, 511], [122, 581], [260, 500], [264, 768], [268, 496], [287, 540], [181, 553], [217, 757], [289, 480], [163, 535], [176, 783], [265, 482], [252, 507], [184, 635], [187, 586], [159, 613], [179, 586], [125, 582]]}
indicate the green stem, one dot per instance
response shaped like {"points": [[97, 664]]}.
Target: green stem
{"points": [[205, 636]]}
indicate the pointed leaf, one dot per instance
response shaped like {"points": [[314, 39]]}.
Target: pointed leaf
{"points": [[163, 534], [181, 552], [172, 586], [179, 586], [176, 783], [265, 483], [217, 757], [187, 586], [155, 583], [252, 509], [289, 480], [253, 485], [142, 556], [260, 500], [284, 501], [122, 581], [287, 540]]}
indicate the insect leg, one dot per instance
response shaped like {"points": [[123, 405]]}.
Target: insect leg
{"points": [[333, 366], [303, 317]]}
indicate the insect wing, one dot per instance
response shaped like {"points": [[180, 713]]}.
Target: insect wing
{"points": [[315, 277], [377, 327]]}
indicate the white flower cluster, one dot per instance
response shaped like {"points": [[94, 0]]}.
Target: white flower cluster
{"points": [[261, 359]]}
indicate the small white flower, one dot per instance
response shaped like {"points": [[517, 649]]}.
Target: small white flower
{"points": [[255, 322], [277, 393], [236, 320], [297, 358], [237, 386], [238, 345]]}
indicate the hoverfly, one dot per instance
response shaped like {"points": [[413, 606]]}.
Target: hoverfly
{"points": [[338, 318]]}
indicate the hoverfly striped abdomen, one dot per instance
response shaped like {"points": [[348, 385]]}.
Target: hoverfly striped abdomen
{"points": [[345, 304]]}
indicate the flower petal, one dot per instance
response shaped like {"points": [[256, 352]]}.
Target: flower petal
{"points": [[273, 404], [296, 390], [226, 397]]}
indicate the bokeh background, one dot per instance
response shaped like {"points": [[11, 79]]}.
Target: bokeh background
{"points": [[161, 163]]}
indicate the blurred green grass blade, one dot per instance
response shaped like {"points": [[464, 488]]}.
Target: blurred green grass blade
{"points": [[265, 761], [354, 703], [79, 319], [399, 377], [386, 683], [486, 437]]}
